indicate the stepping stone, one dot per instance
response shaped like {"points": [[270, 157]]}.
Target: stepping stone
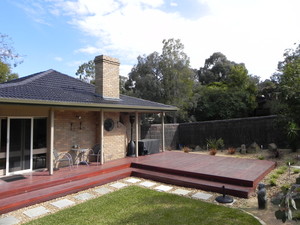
{"points": [[133, 180], [147, 184], [62, 203], [164, 188], [180, 192], [35, 212], [10, 220], [202, 196], [118, 185], [103, 190], [84, 196]]}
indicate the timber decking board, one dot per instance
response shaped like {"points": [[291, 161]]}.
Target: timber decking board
{"points": [[184, 169]]}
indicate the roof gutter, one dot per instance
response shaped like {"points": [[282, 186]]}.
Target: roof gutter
{"points": [[86, 105]]}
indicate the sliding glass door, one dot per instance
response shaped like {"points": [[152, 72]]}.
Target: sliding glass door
{"points": [[19, 150]]}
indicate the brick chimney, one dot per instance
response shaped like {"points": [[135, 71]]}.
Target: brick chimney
{"points": [[107, 77]]}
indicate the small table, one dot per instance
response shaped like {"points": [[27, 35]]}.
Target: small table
{"points": [[80, 152]]}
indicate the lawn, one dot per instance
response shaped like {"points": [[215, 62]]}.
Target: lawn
{"points": [[136, 205]]}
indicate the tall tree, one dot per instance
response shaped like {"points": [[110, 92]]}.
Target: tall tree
{"points": [[216, 69], [145, 78], [86, 72], [226, 90], [8, 54], [8, 57], [177, 76], [5, 73], [166, 77], [288, 77]]}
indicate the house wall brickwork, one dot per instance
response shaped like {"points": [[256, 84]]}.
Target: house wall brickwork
{"points": [[115, 141], [107, 76], [75, 128], [69, 130]]}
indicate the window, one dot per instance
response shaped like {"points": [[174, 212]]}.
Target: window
{"points": [[39, 133]]}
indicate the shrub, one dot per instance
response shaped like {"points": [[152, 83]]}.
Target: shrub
{"points": [[281, 170], [296, 171], [186, 149], [272, 182], [274, 176], [213, 151], [261, 157], [231, 151], [214, 143]]}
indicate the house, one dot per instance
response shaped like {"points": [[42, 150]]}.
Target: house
{"points": [[50, 110]]}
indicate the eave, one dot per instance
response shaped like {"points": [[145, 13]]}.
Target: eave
{"points": [[92, 106]]}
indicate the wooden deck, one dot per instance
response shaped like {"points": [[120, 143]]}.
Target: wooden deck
{"points": [[239, 176]]}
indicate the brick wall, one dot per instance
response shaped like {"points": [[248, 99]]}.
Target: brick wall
{"points": [[107, 76], [115, 141], [68, 132]]}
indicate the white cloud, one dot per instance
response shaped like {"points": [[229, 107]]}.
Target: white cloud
{"points": [[59, 59], [255, 32], [90, 50]]}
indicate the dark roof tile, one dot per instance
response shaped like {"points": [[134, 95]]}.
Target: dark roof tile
{"points": [[52, 87]]}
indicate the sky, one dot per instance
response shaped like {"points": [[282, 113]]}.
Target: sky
{"points": [[61, 35]]}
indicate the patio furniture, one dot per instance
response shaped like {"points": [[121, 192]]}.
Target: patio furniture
{"points": [[62, 157], [80, 157], [148, 146], [96, 152]]}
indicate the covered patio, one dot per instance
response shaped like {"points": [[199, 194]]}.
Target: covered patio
{"points": [[205, 172]]}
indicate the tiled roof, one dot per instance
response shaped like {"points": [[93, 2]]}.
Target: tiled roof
{"points": [[54, 88]]}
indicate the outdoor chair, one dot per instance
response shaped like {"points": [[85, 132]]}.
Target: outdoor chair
{"points": [[62, 157], [96, 152]]}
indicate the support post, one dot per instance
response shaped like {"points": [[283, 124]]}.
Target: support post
{"points": [[163, 131], [101, 136], [51, 140], [136, 134]]}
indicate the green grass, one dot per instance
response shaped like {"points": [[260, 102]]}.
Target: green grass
{"points": [[136, 205]]}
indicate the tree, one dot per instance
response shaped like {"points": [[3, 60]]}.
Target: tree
{"points": [[165, 77], [7, 52], [145, 78], [288, 78], [216, 69], [8, 56], [5, 73], [86, 72], [226, 90], [177, 76]]}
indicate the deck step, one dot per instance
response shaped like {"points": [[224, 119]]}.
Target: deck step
{"points": [[204, 176], [206, 185], [32, 186], [47, 193]]}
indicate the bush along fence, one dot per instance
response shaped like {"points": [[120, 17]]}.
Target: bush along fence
{"points": [[234, 132]]}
